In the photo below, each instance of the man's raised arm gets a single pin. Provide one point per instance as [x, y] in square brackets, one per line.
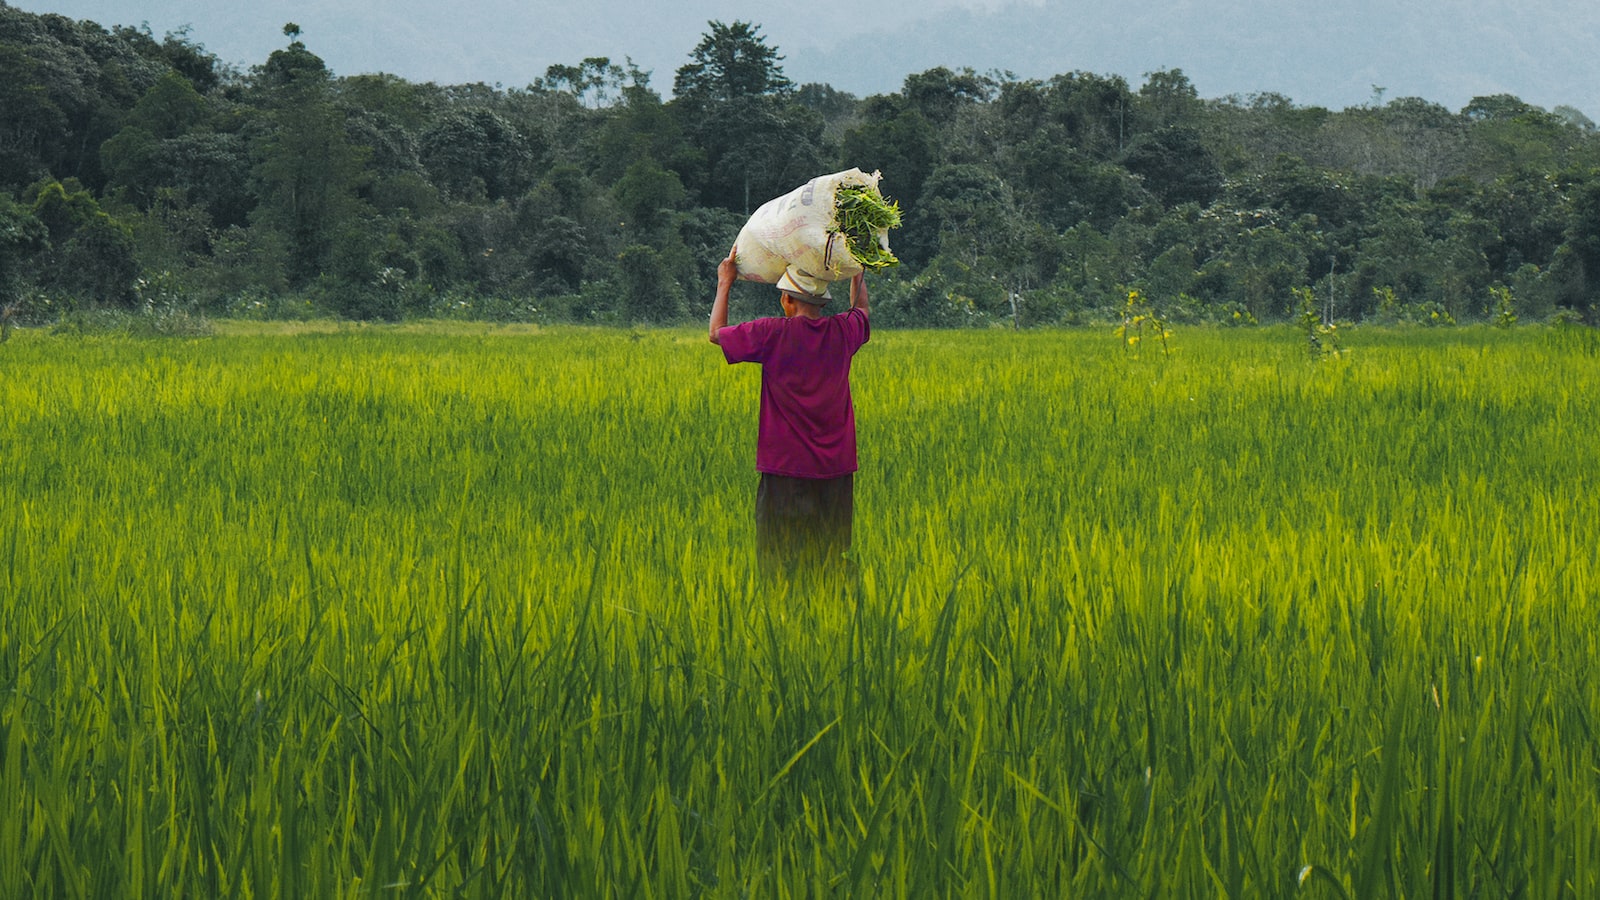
[727, 270]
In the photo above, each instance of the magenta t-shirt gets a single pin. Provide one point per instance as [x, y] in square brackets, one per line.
[808, 425]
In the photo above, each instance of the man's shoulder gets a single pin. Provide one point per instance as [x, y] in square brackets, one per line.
[857, 322]
[747, 341]
[761, 325]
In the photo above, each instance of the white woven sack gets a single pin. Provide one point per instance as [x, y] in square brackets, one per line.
[797, 229]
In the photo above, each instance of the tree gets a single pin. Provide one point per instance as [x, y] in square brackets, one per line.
[1063, 185]
[1461, 271]
[213, 171]
[1507, 134]
[595, 82]
[292, 67]
[475, 152]
[736, 105]
[21, 236]
[1497, 108]
[63, 87]
[1583, 239]
[134, 159]
[647, 193]
[898, 141]
[731, 62]
[938, 93]
[307, 170]
[639, 128]
[1398, 255]
[1529, 211]
[89, 255]
[187, 58]
[838, 108]
[1167, 98]
[1175, 166]
[1258, 267]
[649, 292]
[169, 109]
[562, 232]
[1574, 117]
[979, 228]
[30, 120]
[1097, 113]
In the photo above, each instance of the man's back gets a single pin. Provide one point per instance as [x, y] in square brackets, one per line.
[807, 426]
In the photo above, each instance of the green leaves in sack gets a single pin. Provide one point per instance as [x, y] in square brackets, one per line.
[862, 214]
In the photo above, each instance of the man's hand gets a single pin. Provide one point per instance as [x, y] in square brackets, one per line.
[858, 291]
[727, 271]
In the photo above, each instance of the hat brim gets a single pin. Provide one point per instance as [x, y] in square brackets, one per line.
[789, 285]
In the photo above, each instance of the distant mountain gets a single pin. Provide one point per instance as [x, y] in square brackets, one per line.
[1329, 54]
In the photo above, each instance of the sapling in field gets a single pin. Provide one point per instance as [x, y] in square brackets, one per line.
[1139, 318]
[1503, 308]
[1322, 338]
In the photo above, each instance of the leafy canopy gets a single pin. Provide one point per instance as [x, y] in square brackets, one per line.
[731, 62]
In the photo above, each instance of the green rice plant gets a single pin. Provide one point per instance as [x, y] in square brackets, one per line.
[350, 611]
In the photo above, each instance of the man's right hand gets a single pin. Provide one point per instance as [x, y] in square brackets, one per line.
[727, 271]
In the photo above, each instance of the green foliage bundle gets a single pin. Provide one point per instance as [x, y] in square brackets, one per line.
[864, 217]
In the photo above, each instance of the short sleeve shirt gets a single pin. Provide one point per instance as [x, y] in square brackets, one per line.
[807, 425]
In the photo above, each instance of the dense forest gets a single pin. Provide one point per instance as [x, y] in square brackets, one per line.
[142, 174]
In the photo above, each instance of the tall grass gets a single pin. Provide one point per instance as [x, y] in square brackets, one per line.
[412, 612]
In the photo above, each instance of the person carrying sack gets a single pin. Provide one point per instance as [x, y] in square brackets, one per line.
[806, 434]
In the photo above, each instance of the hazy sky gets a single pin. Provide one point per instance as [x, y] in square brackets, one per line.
[1326, 52]
[495, 41]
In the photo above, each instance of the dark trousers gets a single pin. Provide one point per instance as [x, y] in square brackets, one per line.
[803, 521]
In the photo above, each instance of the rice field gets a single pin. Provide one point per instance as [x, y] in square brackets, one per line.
[456, 611]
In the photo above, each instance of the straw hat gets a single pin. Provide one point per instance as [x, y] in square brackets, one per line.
[804, 287]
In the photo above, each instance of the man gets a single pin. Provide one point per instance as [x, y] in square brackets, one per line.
[806, 438]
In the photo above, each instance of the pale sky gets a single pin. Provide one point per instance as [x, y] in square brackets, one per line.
[1325, 52]
[497, 41]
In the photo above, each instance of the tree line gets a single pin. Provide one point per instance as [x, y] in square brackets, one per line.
[141, 173]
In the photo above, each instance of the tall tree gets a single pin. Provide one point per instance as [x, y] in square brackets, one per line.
[735, 101]
[1169, 98]
[1584, 240]
[133, 159]
[21, 235]
[940, 93]
[476, 152]
[89, 255]
[898, 140]
[640, 128]
[1175, 166]
[596, 81]
[307, 170]
[731, 62]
